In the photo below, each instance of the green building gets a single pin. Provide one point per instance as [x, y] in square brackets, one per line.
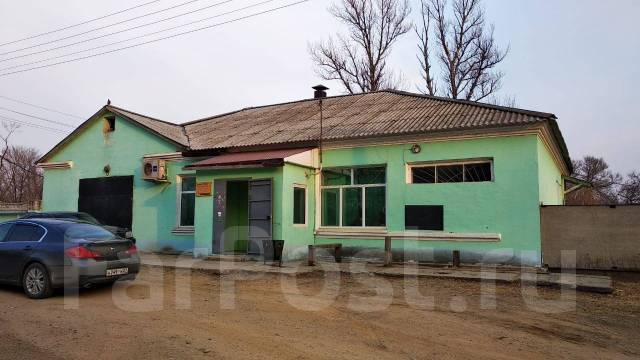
[434, 174]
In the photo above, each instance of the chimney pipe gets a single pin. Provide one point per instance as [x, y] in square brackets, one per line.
[320, 91]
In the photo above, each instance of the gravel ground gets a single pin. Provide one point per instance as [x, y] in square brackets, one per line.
[289, 318]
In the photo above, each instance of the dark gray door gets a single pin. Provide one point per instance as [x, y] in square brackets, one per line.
[260, 226]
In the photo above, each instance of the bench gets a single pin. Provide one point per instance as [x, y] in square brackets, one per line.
[337, 248]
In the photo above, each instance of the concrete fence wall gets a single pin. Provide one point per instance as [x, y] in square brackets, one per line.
[603, 237]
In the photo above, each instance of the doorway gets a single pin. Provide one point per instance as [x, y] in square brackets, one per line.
[236, 225]
[243, 216]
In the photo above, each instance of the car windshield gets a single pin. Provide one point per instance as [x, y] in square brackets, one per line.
[87, 231]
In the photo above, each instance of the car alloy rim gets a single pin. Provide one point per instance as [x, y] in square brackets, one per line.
[35, 281]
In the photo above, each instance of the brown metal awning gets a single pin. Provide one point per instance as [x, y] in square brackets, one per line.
[267, 158]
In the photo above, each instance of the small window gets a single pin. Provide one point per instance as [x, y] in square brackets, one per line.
[25, 232]
[299, 205]
[424, 217]
[110, 124]
[4, 231]
[186, 201]
[472, 171]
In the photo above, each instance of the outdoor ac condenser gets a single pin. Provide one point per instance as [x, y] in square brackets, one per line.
[154, 170]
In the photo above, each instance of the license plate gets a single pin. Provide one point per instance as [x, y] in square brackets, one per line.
[116, 272]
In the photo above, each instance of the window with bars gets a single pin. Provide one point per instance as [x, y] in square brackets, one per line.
[452, 172]
[354, 197]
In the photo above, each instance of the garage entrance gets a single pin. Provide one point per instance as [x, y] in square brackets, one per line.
[108, 199]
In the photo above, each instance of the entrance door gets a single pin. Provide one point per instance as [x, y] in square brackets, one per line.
[108, 199]
[259, 215]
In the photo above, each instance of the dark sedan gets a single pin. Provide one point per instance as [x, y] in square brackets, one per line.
[44, 254]
[120, 231]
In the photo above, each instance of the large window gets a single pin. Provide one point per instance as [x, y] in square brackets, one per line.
[299, 205]
[354, 197]
[452, 172]
[186, 201]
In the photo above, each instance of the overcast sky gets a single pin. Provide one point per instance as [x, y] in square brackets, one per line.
[577, 59]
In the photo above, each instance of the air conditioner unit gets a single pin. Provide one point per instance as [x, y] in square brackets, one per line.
[154, 170]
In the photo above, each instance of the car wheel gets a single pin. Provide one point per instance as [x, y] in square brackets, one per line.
[36, 282]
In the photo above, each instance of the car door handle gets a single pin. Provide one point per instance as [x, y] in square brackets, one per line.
[27, 248]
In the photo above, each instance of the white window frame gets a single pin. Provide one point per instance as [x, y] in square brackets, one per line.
[364, 198]
[306, 204]
[179, 193]
[435, 164]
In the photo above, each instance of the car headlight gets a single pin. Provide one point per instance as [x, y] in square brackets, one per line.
[128, 234]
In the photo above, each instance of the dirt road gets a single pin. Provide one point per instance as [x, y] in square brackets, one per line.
[265, 319]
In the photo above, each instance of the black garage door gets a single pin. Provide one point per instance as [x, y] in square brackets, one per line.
[108, 199]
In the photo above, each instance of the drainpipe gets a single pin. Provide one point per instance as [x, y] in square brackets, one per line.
[320, 92]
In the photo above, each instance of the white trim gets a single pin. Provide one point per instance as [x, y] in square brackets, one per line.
[56, 165]
[306, 204]
[164, 156]
[381, 233]
[183, 230]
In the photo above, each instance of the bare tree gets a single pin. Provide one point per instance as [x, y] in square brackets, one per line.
[9, 128]
[20, 180]
[358, 59]
[604, 182]
[464, 46]
[629, 192]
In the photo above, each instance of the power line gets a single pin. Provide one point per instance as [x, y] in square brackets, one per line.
[40, 107]
[36, 117]
[156, 40]
[133, 38]
[116, 32]
[42, 127]
[101, 27]
[78, 24]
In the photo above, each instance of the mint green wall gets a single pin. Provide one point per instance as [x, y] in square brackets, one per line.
[6, 216]
[205, 205]
[550, 181]
[297, 238]
[154, 205]
[508, 206]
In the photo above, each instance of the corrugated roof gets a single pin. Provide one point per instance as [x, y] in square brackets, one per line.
[163, 128]
[367, 115]
[351, 116]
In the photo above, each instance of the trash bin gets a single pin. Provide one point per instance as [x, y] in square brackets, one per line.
[273, 251]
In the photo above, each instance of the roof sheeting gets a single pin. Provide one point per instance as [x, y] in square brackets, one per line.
[367, 115]
[352, 116]
[165, 129]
